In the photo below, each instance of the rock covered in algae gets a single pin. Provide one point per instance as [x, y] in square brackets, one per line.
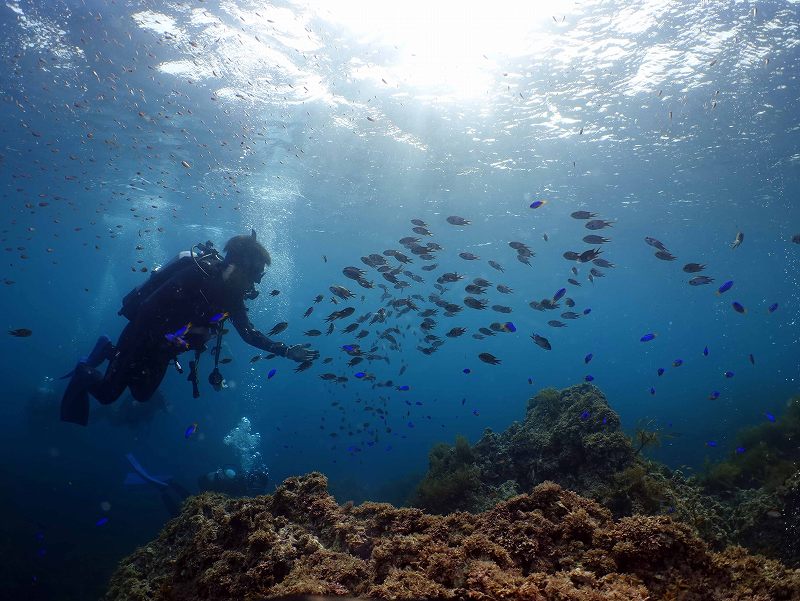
[571, 437]
[550, 544]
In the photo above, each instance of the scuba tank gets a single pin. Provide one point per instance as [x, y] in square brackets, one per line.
[206, 256]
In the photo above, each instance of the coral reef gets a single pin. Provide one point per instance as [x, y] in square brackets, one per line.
[571, 437]
[550, 544]
[766, 456]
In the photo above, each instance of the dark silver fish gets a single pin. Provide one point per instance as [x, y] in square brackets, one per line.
[655, 243]
[589, 255]
[474, 289]
[700, 280]
[541, 341]
[665, 255]
[456, 220]
[354, 273]
[595, 239]
[474, 303]
[278, 328]
[341, 292]
[582, 215]
[693, 267]
[598, 224]
[489, 358]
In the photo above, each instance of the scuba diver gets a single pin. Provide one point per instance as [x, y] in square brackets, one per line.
[235, 484]
[179, 308]
[172, 494]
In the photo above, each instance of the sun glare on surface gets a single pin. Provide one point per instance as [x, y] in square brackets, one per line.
[446, 47]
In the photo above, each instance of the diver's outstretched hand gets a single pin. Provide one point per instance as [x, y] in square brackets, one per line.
[301, 352]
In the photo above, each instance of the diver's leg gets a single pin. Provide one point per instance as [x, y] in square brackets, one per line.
[148, 377]
[106, 389]
[103, 349]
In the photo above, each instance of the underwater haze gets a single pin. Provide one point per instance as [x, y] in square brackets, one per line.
[616, 150]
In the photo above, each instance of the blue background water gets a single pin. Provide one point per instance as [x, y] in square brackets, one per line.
[677, 121]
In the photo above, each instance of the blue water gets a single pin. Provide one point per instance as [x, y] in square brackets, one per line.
[327, 129]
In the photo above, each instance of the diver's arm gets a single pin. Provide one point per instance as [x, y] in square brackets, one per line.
[252, 336]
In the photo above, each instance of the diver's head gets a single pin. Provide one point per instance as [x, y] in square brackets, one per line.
[247, 257]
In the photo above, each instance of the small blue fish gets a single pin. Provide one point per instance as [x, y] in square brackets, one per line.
[725, 287]
[509, 327]
[176, 337]
[739, 450]
[587, 311]
[589, 378]
[219, 317]
[660, 371]
[530, 380]
[464, 400]
[652, 390]
[467, 370]
[728, 374]
[403, 388]
[714, 395]
[711, 443]
[588, 358]
[360, 374]
[418, 403]
[647, 337]
[769, 416]
[677, 363]
[348, 347]
[705, 352]
[605, 421]
[738, 307]
[585, 415]
[101, 522]
[752, 359]
[410, 424]
[772, 308]
[190, 430]
[538, 203]
[271, 373]
[559, 294]
[475, 412]
[41, 552]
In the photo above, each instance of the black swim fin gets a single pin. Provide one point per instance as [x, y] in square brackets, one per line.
[75, 402]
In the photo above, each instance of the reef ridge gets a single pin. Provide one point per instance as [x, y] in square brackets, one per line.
[549, 544]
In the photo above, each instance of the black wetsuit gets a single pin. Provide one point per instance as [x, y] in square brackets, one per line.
[185, 294]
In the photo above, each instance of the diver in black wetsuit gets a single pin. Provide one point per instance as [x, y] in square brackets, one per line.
[179, 308]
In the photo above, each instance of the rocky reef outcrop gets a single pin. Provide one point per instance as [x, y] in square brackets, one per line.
[573, 437]
[549, 544]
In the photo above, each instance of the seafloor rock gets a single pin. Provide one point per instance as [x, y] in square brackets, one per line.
[551, 544]
[768, 521]
[571, 437]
